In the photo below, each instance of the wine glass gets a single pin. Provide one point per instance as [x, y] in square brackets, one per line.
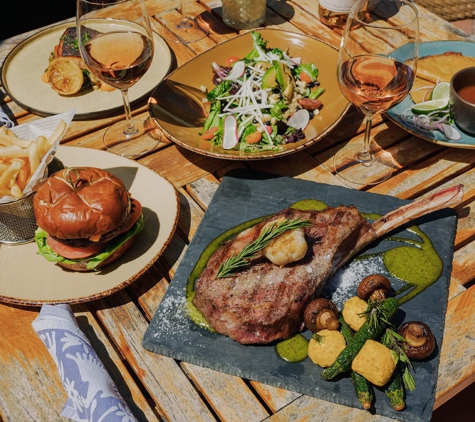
[183, 29]
[117, 48]
[376, 68]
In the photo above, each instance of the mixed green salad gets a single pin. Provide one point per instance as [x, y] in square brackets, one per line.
[262, 101]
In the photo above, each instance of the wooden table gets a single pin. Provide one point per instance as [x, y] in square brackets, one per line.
[160, 388]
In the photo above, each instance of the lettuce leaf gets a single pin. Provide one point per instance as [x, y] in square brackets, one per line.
[45, 251]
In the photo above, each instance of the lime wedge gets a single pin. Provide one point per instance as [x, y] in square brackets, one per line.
[429, 106]
[441, 91]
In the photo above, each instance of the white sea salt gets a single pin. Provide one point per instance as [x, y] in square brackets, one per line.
[344, 283]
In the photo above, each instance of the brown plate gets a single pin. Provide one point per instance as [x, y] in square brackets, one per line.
[25, 64]
[27, 278]
[176, 104]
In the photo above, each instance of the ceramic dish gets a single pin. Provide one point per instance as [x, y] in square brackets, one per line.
[176, 104]
[25, 64]
[27, 278]
[428, 49]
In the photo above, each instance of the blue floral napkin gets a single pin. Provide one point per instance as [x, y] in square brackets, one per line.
[4, 119]
[92, 395]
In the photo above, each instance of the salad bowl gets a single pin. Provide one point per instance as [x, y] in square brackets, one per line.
[177, 105]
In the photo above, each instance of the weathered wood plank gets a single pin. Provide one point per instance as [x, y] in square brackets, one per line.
[457, 354]
[175, 397]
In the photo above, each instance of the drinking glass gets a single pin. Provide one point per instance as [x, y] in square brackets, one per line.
[117, 48]
[183, 29]
[376, 68]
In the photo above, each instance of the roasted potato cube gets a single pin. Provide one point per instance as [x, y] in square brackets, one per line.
[326, 349]
[351, 310]
[375, 362]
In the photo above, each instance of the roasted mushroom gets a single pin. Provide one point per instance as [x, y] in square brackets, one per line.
[321, 314]
[374, 287]
[420, 341]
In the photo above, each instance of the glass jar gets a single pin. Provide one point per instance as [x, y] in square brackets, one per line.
[244, 14]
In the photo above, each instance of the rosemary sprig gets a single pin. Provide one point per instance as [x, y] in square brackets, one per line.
[249, 251]
[374, 314]
[393, 341]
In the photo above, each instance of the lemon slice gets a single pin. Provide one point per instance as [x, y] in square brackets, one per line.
[65, 76]
[441, 91]
[430, 106]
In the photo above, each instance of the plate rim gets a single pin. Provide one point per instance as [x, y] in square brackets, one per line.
[395, 118]
[78, 116]
[120, 286]
[243, 157]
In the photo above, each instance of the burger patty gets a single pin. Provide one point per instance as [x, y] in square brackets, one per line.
[78, 243]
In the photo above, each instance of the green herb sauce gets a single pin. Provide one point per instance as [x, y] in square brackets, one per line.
[293, 349]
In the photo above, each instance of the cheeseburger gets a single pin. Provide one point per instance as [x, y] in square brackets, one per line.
[86, 218]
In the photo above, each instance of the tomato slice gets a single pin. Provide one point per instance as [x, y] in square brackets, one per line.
[231, 60]
[304, 77]
[71, 252]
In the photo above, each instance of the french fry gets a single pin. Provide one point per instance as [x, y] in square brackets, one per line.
[23, 176]
[58, 132]
[9, 175]
[33, 156]
[41, 145]
[15, 191]
[13, 151]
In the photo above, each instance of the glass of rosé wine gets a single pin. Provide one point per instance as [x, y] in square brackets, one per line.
[116, 45]
[376, 68]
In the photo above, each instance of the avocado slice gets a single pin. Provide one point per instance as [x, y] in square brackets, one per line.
[269, 78]
[284, 78]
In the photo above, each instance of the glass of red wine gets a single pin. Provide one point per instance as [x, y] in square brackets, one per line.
[116, 44]
[376, 69]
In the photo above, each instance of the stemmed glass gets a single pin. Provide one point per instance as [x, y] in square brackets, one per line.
[183, 29]
[376, 68]
[117, 48]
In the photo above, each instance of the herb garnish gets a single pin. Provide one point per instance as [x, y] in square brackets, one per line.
[250, 250]
[393, 341]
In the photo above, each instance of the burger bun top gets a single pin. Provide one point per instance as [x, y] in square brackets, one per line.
[81, 203]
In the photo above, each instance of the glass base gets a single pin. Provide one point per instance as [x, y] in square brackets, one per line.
[183, 30]
[132, 145]
[354, 167]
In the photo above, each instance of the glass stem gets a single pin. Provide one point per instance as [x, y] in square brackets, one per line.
[184, 17]
[365, 156]
[130, 128]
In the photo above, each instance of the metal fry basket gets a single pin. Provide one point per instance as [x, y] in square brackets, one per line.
[17, 221]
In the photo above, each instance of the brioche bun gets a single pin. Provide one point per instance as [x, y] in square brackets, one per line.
[80, 203]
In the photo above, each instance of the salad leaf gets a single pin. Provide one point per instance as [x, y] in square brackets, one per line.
[310, 69]
[213, 117]
[219, 90]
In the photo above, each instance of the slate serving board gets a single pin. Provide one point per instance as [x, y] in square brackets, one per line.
[244, 195]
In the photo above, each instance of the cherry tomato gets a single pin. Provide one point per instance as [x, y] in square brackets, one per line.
[209, 134]
[304, 77]
[309, 104]
[231, 60]
[253, 138]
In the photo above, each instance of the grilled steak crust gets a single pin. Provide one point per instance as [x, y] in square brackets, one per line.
[264, 302]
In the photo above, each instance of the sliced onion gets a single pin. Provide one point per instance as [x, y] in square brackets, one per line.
[230, 135]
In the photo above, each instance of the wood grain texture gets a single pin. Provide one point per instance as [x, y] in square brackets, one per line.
[160, 388]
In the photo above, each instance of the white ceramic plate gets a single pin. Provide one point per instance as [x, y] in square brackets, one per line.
[25, 64]
[27, 278]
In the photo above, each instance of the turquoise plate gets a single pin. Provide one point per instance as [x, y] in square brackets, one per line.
[428, 49]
